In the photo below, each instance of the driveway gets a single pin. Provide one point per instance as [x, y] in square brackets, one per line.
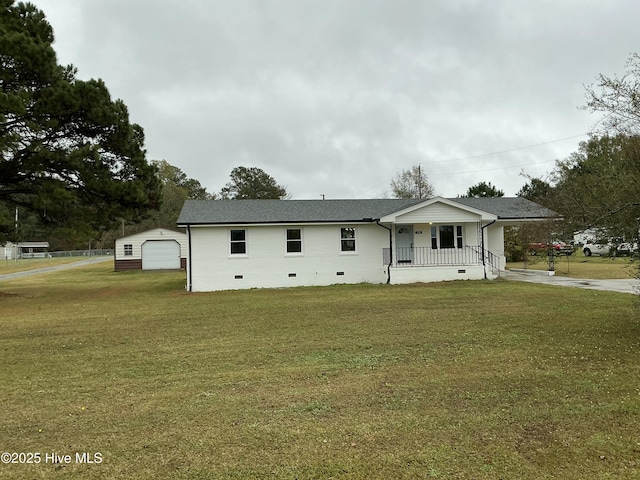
[55, 268]
[630, 285]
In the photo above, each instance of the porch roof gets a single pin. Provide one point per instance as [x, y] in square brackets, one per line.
[33, 244]
[230, 212]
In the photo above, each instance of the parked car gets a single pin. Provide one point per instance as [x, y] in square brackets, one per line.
[627, 248]
[557, 247]
[597, 249]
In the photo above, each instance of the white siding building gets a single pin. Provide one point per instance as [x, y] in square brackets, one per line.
[26, 250]
[157, 249]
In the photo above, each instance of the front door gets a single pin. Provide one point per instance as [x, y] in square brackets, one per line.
[404, 243]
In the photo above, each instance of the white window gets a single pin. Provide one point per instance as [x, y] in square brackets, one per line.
[459, 241]
[128, 250]
[347, 239]
[446, 236]
[238, 242]
[294, 240]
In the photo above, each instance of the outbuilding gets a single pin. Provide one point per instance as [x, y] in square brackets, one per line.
[26, 250]
[157, 249]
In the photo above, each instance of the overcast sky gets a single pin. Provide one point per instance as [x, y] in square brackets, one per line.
[336, 97]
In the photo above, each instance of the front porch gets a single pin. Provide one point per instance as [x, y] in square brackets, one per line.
[443, 240]
[425, 264]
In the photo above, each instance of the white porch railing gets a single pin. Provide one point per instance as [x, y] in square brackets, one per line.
[425, 256]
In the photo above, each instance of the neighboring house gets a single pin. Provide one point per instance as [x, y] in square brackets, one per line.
[26, 250]
[235, 244]
[157, 249]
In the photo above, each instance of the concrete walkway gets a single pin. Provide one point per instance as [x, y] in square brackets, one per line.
[630, 285]
[55, 268]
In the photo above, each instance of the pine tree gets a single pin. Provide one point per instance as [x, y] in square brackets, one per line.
[69, 151]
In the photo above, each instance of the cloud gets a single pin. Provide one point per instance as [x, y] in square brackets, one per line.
[337, 97]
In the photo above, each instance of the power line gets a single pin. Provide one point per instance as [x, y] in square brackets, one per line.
[494, 153]
[490, 169]
[506, 151]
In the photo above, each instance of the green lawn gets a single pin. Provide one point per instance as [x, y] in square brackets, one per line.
[463, 380]
[579, 266]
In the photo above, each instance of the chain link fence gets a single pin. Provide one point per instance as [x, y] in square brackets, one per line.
[81, 253]
[62, 254]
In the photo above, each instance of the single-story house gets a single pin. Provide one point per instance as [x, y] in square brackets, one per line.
[234, 244]
[26, 250]
[156, 249]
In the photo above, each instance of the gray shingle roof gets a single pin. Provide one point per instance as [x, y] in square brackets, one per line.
[509, 207]
[221, 212]
[287, 211]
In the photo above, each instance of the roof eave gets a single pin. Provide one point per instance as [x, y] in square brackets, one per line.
[530, 219]
[277, 222]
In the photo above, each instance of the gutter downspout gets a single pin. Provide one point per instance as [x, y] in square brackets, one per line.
[189, 252]
[390, 250]
[484, 263]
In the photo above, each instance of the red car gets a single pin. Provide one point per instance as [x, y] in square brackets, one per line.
[542, 248]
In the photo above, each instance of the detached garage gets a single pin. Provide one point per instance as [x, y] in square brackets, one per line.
[157, 249]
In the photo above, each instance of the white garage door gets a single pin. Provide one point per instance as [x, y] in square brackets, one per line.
[160, 255]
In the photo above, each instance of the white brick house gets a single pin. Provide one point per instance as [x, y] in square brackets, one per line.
[234, 244]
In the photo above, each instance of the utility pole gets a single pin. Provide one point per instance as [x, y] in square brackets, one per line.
[15, 247]
[419, 182]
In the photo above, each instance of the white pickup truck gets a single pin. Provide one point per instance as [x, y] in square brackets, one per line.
[609, 249]
[597, 249]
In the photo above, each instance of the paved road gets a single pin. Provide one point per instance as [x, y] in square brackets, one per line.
[55, 268]
[622, 285]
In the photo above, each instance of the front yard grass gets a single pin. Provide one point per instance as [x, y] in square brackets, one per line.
[496, 379]
[579, 266]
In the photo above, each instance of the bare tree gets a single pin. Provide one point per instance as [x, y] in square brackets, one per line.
[618, 99]
[412, 183]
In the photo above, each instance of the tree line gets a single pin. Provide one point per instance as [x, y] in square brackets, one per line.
[74, 167]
